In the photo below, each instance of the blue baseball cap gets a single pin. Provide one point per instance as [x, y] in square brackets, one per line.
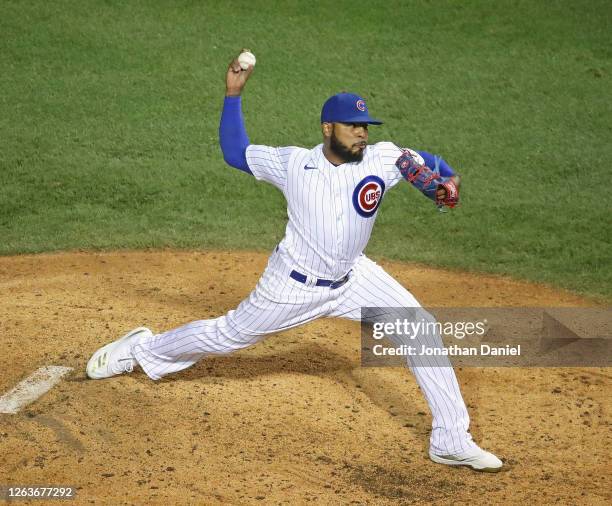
[346, 108]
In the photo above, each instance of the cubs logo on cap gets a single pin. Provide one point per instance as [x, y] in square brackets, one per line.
[361, 105]
[368, 195]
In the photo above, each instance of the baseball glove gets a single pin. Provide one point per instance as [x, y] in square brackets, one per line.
[444, 191]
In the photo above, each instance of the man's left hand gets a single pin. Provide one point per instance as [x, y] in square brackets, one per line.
[447, 193]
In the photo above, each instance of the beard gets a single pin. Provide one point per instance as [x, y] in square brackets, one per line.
[344, 151]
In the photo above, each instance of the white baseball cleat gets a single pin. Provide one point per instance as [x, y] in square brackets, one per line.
[116, 358]
[476, 458]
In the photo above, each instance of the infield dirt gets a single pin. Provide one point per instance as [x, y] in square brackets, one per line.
[292, 420]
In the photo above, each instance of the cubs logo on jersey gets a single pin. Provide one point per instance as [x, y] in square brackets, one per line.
[367, 195]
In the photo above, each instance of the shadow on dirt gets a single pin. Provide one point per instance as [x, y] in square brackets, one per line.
[310, 359]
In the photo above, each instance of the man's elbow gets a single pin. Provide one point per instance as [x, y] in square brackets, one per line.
[237, 162]
[230, 159]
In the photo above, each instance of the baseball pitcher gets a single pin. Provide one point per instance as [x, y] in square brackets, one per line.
[318, 269]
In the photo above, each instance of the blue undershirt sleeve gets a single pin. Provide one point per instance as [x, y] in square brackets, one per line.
[431, 160]
[232, 134]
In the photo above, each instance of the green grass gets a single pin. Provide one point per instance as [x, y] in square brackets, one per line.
[109, 114]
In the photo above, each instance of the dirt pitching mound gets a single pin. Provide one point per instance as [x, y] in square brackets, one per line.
[292, 420]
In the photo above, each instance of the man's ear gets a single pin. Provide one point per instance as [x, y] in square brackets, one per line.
[327, 129]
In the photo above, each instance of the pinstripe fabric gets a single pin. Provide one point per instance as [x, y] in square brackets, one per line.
[372, 286]
[325, 238]
[324, 234]
[277, 303]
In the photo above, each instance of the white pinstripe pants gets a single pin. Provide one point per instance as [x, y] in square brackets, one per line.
[279, 303]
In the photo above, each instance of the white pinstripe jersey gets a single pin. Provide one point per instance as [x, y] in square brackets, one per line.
[331, 209]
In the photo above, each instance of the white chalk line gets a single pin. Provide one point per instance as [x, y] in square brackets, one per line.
[27, 391]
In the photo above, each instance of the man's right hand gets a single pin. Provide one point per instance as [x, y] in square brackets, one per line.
[236, 78]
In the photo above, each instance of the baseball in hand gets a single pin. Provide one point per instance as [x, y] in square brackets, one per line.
[245, 59]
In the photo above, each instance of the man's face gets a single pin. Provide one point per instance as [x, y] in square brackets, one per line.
[349, 140]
